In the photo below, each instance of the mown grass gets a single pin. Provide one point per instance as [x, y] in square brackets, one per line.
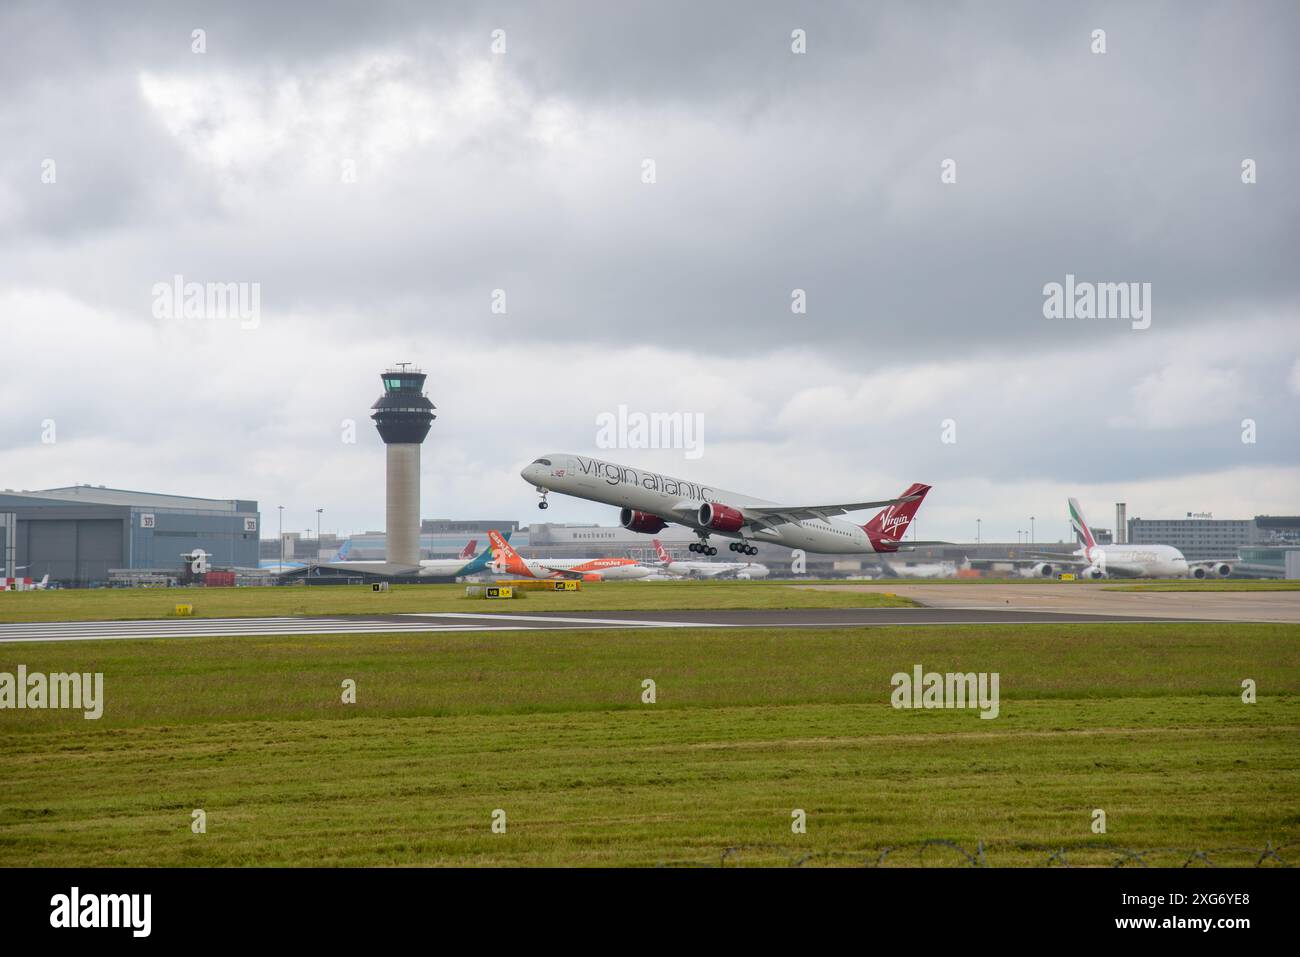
[120, 604]
[1144, 721]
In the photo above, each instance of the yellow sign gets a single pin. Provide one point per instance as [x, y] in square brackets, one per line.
[500, 591]
[567, 584]
[1066, 577]
[185, 610]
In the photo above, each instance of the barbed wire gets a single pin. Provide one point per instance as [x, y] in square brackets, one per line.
[944, 852]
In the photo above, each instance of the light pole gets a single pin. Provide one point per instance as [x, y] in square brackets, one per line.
[977, 530]
[318, 514]
[1031, 530]
[281, 532]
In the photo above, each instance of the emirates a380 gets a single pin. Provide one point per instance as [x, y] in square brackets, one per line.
[648, 501]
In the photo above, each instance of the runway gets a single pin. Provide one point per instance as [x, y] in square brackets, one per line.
[1090, 598]
[583, 621]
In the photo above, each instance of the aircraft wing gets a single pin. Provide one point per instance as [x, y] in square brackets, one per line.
[566, 572]
[1071, 561]
[773, 515]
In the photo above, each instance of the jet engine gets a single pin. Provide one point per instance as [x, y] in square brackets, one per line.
[643, 522]
[721, 518]
[1222, 569]
[1041, 570]
[1092, 573]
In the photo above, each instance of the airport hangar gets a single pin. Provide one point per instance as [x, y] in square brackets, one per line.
[80, 533]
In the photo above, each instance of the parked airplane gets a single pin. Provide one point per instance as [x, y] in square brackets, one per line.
[466, 564]
[649, 501]
[507, 561]
[707, 569]
[921, 570]
[1093, 561]
[25, 584]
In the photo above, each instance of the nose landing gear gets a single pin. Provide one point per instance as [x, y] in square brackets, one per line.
[542, 503]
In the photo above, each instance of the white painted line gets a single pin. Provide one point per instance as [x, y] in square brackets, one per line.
[625, 622]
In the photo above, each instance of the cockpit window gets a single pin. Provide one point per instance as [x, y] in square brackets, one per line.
[542, 462]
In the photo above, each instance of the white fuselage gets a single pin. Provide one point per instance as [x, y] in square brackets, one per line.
[716, 569]
[928, 570]
[678, 500]
[1137, 561]
[444, 567]
[609, 569]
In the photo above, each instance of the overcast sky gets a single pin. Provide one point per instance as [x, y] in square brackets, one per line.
[378, 170]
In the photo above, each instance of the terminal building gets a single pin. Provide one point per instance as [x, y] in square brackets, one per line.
[79, 534]
[1203, 538]
[439, 538]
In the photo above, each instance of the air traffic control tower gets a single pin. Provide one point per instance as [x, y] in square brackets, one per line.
[403, 415]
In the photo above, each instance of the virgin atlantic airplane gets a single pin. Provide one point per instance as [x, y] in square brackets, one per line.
[649, 501]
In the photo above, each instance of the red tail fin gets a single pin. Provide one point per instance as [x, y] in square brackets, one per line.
[660, 551]
[470, 549]
[889, 526]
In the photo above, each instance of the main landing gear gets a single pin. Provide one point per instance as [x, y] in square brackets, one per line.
[703, 546]
[744, 548]
[542, 503]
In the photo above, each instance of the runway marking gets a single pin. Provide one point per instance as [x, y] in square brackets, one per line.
[274, 627]
[624, 622]
[421, 623]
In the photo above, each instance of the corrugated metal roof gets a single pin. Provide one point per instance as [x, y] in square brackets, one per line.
[116, 496]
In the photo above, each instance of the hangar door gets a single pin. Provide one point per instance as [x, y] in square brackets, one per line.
[73, 550]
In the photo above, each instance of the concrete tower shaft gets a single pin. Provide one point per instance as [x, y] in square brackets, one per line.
[403, 415]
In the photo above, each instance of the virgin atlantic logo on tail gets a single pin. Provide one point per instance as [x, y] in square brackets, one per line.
[891, 521]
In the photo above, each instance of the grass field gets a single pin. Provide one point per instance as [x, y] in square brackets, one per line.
[119, 604]
[1144, 721]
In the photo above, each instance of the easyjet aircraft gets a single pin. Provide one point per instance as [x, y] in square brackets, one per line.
[507, 561]
[649, 501]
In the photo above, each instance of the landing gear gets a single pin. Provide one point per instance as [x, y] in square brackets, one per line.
[743, 547]
[542, 503]
[703, 546]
